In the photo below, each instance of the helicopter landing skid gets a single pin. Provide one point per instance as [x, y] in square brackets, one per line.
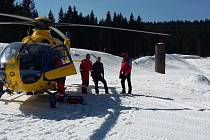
[13, 98]
[8, 91]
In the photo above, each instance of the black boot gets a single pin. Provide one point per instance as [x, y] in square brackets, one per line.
[106, 91]
[123, 92]
[60, 98]
[130, 90]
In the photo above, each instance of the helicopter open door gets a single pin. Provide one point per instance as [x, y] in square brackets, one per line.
[59, 63]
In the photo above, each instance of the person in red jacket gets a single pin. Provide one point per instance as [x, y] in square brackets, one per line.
[60, 81]
[125, 73]
[85, 68]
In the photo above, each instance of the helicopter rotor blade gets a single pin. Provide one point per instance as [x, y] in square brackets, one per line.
[58, 32]
[75, 25]
[17, 23]
[111, 28]
[32, 21]
[17, 16]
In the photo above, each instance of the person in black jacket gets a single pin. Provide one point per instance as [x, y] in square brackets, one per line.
[98, 75]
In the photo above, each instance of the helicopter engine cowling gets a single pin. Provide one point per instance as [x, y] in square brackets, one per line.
[42, 36]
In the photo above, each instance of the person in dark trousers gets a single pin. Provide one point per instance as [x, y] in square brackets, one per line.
[125, 73]
[98, 75]
[85, 68]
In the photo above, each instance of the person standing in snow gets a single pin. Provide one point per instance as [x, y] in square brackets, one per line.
[60, 81]
[125, 73]
[85, 68]
[98, 75]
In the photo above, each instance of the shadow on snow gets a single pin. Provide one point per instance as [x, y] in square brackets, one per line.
[149, 96]
[108, 106]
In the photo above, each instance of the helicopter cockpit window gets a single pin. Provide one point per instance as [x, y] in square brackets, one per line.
[9, 53]
[59, 56]
[32, 62]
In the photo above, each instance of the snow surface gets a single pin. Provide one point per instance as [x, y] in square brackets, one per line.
[174, 106]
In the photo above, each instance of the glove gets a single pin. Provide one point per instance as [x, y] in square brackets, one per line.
[67, 42]
[120, 76]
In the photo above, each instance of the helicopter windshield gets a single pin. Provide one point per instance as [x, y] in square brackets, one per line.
[32, 62]
[9, 52]
[34, 59]
[32, 56]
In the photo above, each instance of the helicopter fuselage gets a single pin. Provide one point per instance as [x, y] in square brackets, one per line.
[14, 81]
[31, 67]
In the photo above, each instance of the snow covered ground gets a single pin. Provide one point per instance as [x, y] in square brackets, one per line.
[174, 106]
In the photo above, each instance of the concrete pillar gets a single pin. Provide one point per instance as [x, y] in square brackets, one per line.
[160, 58]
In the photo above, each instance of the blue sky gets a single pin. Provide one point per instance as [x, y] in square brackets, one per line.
[149, 10]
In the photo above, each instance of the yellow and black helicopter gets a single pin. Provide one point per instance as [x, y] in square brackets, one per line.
[28, 66]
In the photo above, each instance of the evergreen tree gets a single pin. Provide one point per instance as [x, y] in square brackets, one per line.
[132, 23]
[28, 8]
[75, 16]
[61, 15]
[81, 18]
[87, 19]
[108, 19]
[69, 15]
[93, 20]
[51, 16]
[119, 20]
[17, 9]
[115, 19]
[35, 14]
[7, 6]
[101, 22]
[139, 20]
[131, 19]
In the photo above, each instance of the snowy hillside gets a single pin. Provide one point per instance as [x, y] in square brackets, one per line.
[173, 106]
